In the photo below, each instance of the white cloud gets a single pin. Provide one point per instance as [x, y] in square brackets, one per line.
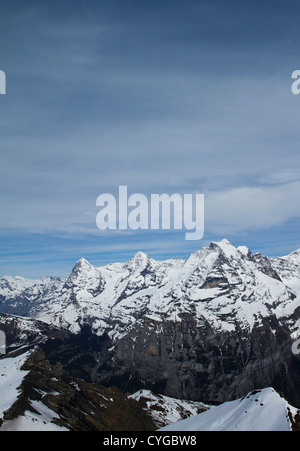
[250, 208]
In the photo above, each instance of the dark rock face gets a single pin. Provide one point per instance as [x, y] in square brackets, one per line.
[79, 354]
[183, 361]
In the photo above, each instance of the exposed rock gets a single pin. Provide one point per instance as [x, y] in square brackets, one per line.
[78, 405]
[197, 363]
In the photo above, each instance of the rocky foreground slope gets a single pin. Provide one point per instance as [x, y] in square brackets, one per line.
[210, 328]
[37, 396]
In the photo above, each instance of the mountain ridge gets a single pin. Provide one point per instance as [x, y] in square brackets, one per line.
[202, 276]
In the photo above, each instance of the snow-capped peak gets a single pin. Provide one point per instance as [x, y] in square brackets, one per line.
[82, 269]
[84, 275]
[138, 262]
[223, 242]
[82, 264]
[229, 250]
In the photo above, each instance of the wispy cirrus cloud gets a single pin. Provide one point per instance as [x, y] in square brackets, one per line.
[252, 208]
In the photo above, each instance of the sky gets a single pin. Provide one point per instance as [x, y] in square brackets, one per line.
[160, 96]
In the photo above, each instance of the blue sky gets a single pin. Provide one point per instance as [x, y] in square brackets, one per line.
[161, 96]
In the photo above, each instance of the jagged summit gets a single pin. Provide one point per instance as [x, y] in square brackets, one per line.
[228, 249]
[223, 242]
[138, 262]
[82, 265]
[81, 269]
[83, 262]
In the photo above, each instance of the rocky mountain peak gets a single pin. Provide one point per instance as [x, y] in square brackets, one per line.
[82, 265]
[229, 250]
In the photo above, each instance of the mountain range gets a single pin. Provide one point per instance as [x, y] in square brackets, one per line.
[210, 328]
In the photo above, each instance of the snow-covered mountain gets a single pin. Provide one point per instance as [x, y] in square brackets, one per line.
[220, 284]
[18, 295]
[209, 328]
[260, 410]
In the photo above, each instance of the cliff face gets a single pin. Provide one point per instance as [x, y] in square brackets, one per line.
[182, 360]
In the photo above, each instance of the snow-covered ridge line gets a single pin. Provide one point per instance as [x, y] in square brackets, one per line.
[260, 410]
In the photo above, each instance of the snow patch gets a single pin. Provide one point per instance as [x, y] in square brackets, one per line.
[11, 377]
